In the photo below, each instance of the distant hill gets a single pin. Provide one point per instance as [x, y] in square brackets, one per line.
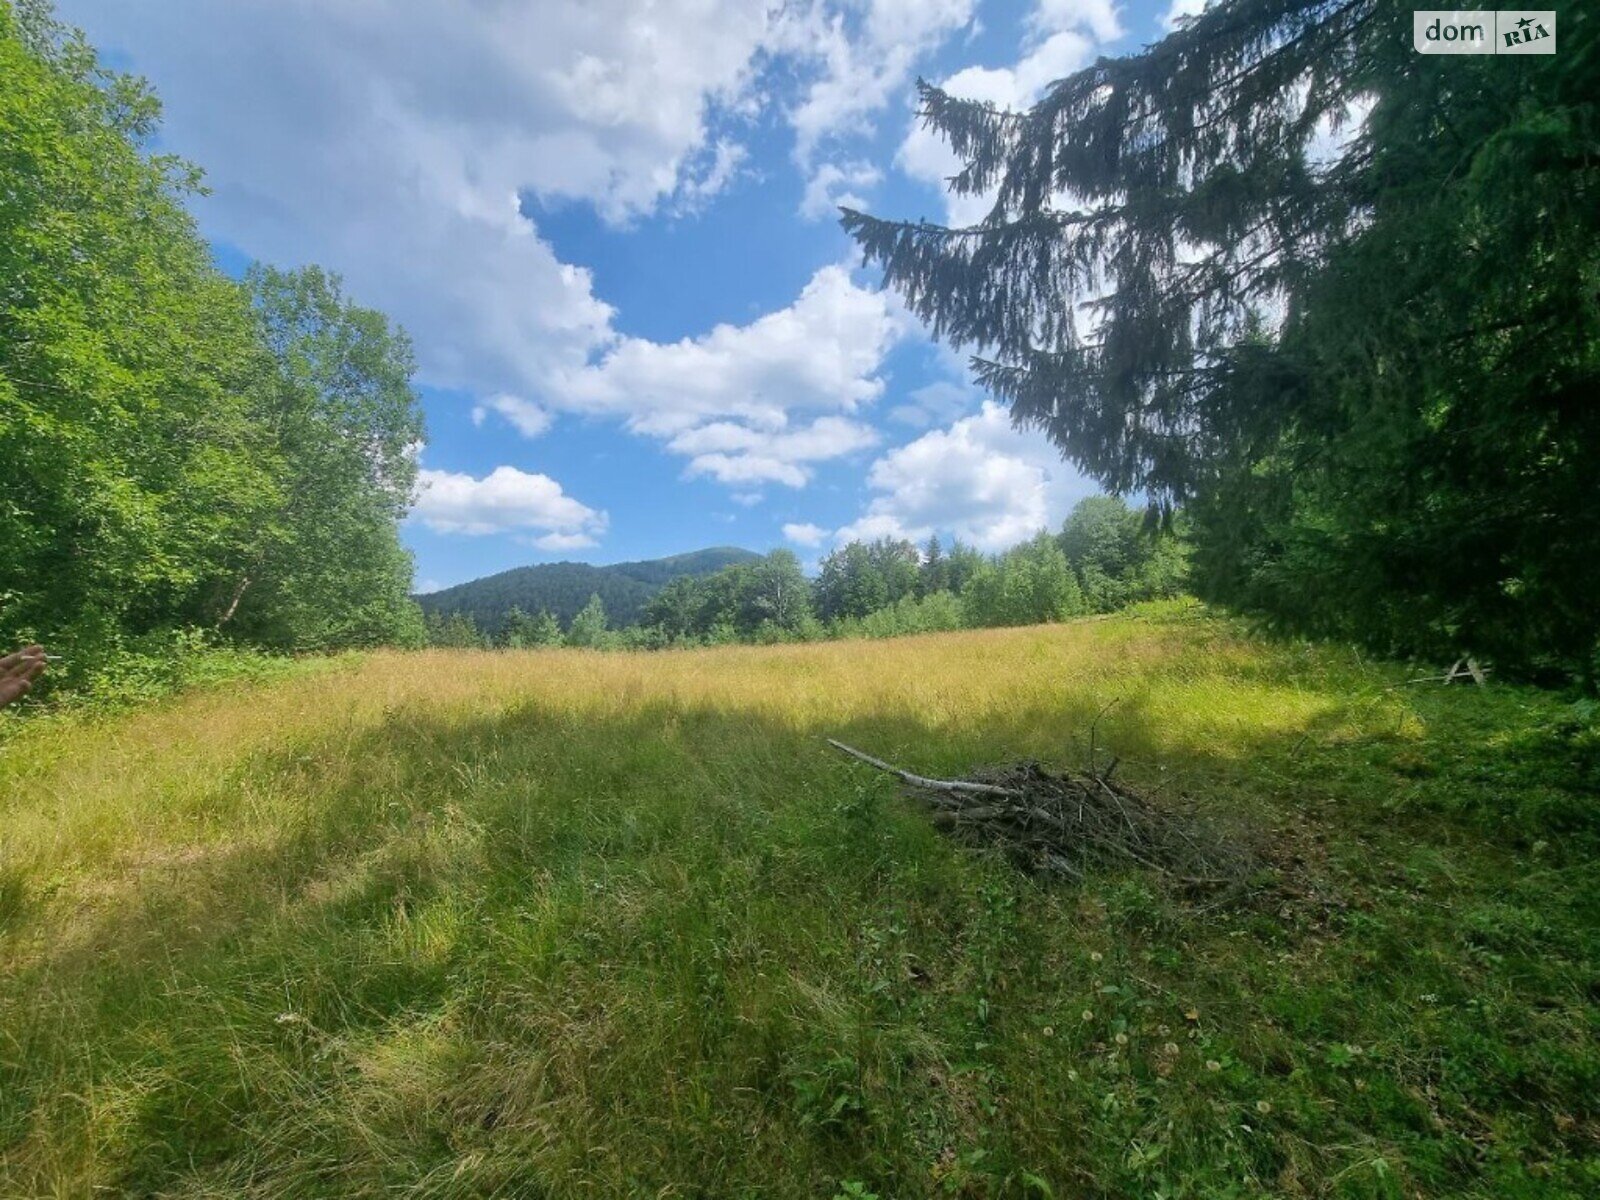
[565, 587]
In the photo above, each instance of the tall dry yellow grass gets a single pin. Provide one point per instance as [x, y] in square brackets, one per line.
[575, 923]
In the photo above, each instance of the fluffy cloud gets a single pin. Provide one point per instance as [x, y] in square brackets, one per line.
[822, 352]
[402, 143]
[526, 417]
[723, 164]
[830, 186]
[506, 501]
[735, 453]
[805, 534]
[1062, 37]
[864, 59]
[728, 400]
[1099, 17]
[393, 141]
[981, 479]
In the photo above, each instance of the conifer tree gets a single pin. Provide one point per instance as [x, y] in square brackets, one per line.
[1333, 296]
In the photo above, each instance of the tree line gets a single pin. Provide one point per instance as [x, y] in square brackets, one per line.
[1103, 558]
[182, 450]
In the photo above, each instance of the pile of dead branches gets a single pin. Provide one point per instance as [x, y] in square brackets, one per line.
[1074, 823]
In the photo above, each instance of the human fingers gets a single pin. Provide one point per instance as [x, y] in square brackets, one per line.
[16, 657]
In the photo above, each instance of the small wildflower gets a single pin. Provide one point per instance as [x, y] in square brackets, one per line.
[1170, 1048]
[1263, 1107]
[1163, 1030]
[1361, 1085]
[1095, 956]
[1122, 1039]
[1192, 1015]
[1213, 1065]
[1049, 1031]
[1087, 1015]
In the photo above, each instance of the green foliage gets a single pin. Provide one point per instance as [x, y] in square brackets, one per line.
[589, 627]
[937, 612]
[453, 631]
[329, 570]
[134, 470]
[1030, 584]
[1118, 559]
[849, 584]
[764, 599]
[181, 451]
[864, 589]
[147, 667]
[524, 632]
[1364, 371]
[888, 588]
[862, 577]
[775, 594]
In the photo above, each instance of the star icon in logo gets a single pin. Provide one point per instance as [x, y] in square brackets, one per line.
[1524, 23]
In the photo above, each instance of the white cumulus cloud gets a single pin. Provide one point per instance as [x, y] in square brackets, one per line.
[833, 184]
[804, 533]
[1102, 18]
[756, 403]
[526, 417]
[981, 479]
[392, 141]
[734, 453]
[506, 501]
[866, 58]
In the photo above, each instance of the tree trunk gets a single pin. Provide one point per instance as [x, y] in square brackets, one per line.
[233, 605]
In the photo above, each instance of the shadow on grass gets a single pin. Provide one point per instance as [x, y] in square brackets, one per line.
[563, 951]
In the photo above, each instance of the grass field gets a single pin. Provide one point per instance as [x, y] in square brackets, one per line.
[577, 924]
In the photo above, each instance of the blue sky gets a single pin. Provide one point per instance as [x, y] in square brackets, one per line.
[610, 231]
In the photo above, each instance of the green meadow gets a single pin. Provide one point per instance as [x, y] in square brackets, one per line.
[570, 923]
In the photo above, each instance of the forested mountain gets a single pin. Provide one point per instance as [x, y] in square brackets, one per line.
[563, 588]
[1104, 557]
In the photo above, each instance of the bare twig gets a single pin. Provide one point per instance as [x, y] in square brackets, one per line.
[922, 781]
[1095, 724]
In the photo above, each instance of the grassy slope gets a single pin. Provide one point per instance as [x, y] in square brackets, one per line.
[565, 923]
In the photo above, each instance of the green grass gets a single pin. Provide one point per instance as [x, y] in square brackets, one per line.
[578, 924]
